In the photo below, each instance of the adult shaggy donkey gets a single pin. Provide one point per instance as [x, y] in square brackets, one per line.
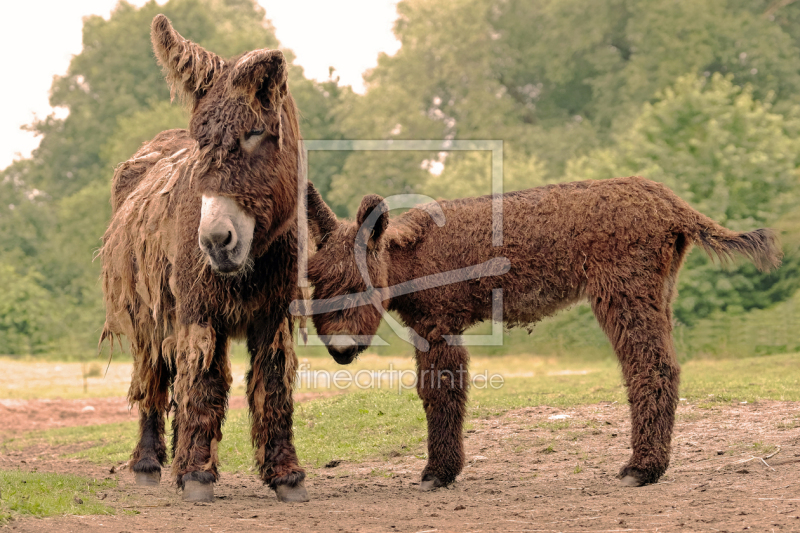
[201, 249]
[617, 243]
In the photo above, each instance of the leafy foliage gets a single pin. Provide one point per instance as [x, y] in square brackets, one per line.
[714, 144]
[702, 96]
[553, 78]
[26, 313]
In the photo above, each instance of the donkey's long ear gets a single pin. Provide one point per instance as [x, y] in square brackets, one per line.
[371, 210]
[322, 221]
[261, 74]
[189, 68]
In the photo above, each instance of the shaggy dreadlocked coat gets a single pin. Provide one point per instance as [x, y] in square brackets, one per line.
[617, 243]
[177, 313]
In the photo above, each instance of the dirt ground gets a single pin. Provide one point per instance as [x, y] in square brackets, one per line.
[20, 416]
[528, 471]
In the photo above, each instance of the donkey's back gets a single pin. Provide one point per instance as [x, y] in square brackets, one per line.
[136, 170]
[564, 243]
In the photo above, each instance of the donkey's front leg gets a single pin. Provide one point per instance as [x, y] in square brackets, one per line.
[201, 388]
[149, 390]
[442, 384]
[269, 394]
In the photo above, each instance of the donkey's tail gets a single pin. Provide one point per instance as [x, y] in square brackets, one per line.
[760, 246]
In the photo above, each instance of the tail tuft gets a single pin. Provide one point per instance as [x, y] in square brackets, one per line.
[760, 246]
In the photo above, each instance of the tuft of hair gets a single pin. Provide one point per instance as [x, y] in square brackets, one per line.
[760, 246]
[189, 69]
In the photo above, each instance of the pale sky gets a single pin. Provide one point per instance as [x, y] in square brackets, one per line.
[39, 37]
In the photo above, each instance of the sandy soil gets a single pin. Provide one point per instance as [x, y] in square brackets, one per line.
[28, 415]
[513, 482]
[60, 380]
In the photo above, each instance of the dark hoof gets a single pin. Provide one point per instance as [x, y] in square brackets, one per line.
[430, 484]
[195, 491]
[631, 481]
[632, 477]
[148, 479]
[287, 494]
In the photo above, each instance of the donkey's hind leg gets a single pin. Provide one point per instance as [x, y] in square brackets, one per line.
[640, 331]
[150, 391]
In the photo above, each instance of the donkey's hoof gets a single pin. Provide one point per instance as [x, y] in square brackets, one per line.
[632, 477]
[148, 479]
[631, 481]
[195, 491]
[296, 494]
[429, 484]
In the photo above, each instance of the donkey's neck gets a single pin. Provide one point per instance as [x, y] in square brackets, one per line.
[402, 237]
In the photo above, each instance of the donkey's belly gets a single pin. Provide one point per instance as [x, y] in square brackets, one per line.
[528, 307]
[454, 308]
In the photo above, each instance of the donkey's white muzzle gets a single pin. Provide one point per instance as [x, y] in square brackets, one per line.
[225, 233]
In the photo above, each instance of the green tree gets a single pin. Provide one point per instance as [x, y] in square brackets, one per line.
[714, 144]
[554, 78]
[28, 322]
[470, 174]
[563, 83]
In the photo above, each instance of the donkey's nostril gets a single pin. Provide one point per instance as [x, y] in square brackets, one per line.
[221, 239]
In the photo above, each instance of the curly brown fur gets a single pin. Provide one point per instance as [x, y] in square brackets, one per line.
[617, 243]
[269, 393]
[201, 398]
[159, 289]
[442, 385]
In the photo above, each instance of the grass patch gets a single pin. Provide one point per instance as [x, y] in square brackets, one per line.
[707, 381]
[349, 427]
[771, 377]
[381, 423]
[44, 494]
[105, 443]
[763, 449]
[601, 382]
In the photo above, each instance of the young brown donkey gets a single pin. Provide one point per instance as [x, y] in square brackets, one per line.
[201, 249]
[617, 243]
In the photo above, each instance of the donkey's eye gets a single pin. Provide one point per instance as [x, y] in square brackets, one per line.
[253, 133]
[252, 139]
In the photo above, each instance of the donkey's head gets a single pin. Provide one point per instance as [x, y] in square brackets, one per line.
[245, 163]
[348, 271]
